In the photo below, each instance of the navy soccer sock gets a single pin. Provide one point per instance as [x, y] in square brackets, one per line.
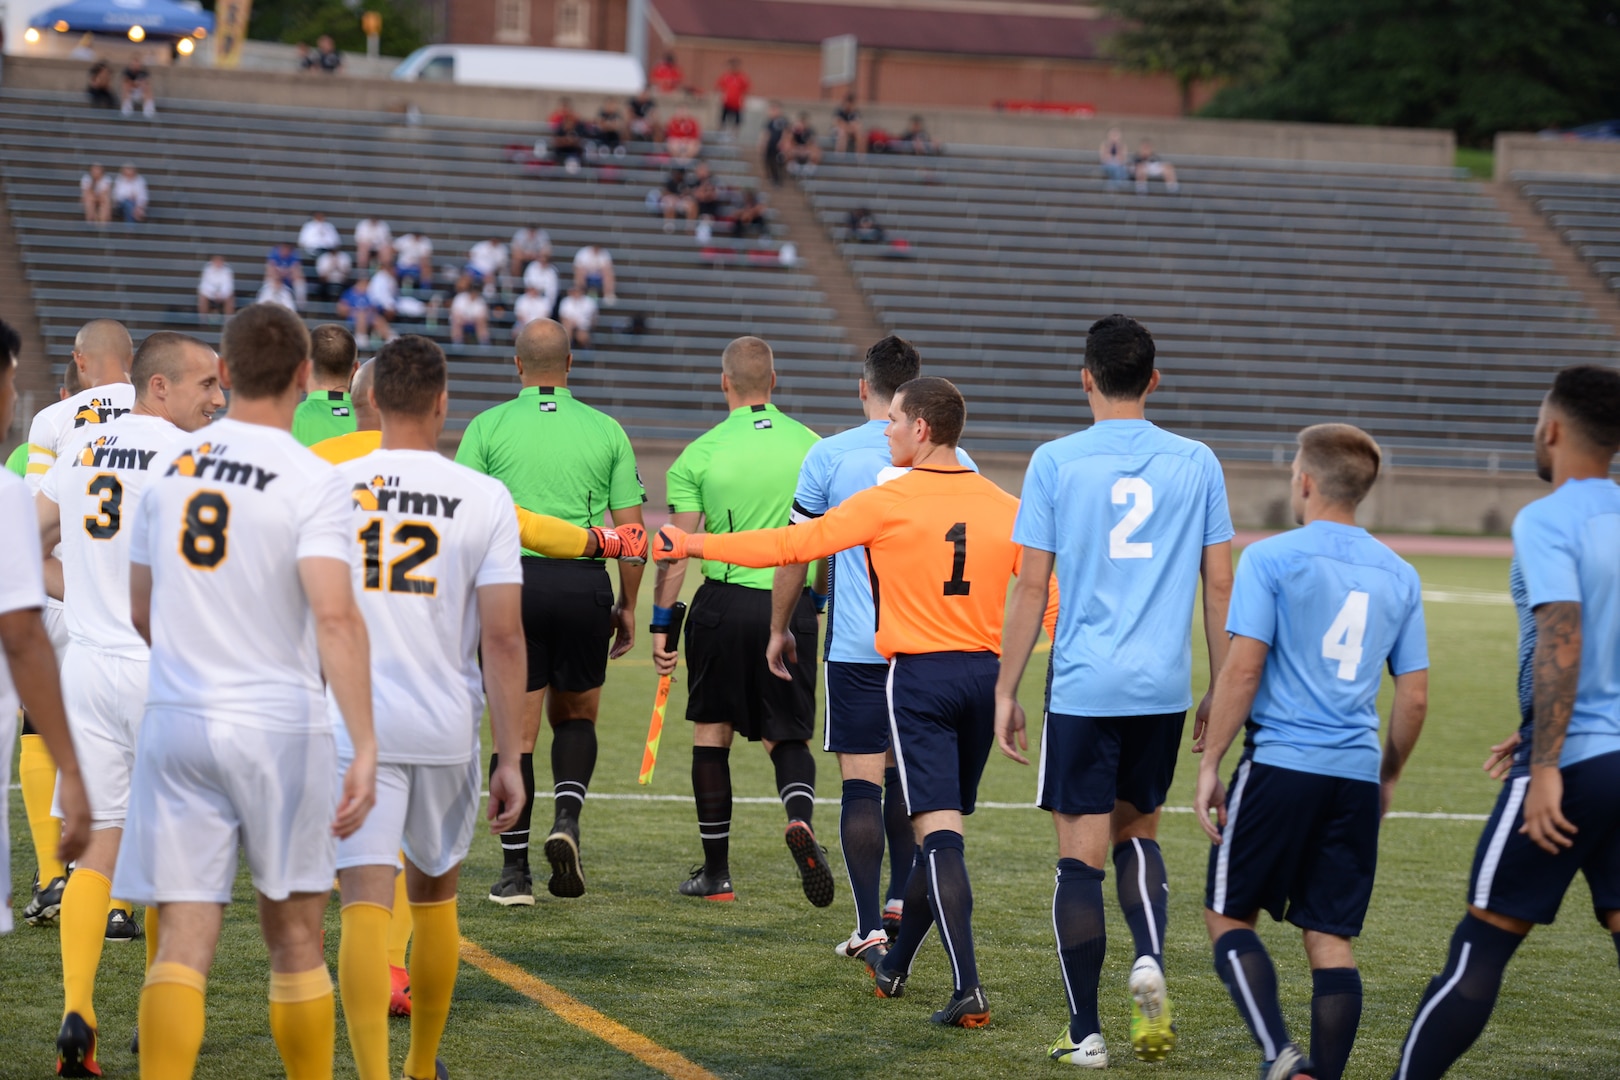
[914, 924]
[573, 760]
[951, 897]
[1617, 943]
[711, 787]
[1335, 1016]
[1245, 967]
[1458, 1001]
[897, 825]
[860, 833]
[796, 779]
[1144, 894]
[1082, 941]
[515, 844]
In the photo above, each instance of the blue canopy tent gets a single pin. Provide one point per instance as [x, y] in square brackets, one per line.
[159, 18]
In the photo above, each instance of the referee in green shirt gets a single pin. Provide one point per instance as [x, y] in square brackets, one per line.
[327, 411]
[740, 475]
[561, 457]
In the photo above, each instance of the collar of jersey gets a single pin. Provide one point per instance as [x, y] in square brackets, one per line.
[1337, 526]
[745, 409]
[547, 391]
[332, 395]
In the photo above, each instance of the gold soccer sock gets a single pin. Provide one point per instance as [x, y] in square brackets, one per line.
[36, 772]
[171, 1023]
[151, 935]
[120, 905]
[435, 959]
[363, 979]
[399, 924]
[303, 1022]
[83, 931]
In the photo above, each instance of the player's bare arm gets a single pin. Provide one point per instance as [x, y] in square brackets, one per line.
[1216, 571]
[630, 571]
[1234, 697]
[1025, 608]
[345, 651]
[33, 671]
[785, 589]
[1556, 670]
[1406, 717]
[505, 656]
[667, 590]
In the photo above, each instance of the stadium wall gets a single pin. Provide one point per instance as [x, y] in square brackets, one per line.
[1519, 152]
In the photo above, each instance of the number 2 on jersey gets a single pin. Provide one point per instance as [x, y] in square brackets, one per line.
[418, 533]
[1137, 492]
[1342, 642]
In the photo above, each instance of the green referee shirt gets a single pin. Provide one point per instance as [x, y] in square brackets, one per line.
[741, 474]
[323, 415]
[556, 455]
[18, 461]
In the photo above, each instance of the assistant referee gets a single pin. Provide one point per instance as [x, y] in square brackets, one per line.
[740, 475]
[560, 457]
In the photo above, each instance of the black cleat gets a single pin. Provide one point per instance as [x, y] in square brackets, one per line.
[891, 918]
[120, 927]
[439, 1071]
[969, 1010]
[814, 873]
[567, 878]
[135, 1042]
[706, 886]
[888, 986]
[76, 1048]
[515, 888]
[45, 903]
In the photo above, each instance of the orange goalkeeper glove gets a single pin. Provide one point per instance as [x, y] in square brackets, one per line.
[627, 543]
[670, 544]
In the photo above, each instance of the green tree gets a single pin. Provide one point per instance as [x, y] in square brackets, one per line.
[405, 25]
[1474, 66]
[1197, 41]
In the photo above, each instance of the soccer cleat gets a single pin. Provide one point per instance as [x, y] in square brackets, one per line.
[888, 986]
[1289, 1064]
[562, 851]
[515, 888]
[891, 917]
[120, 927]
[45, 903]
[399, 994]
[716, 887]
[76, 1048]
[1153, 1033]
[439, 1071]
[857, 946]
[1089, 1053]
[814, 873]
[969, 1010]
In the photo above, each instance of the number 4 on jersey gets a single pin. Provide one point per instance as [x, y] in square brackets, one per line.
[1342, 642]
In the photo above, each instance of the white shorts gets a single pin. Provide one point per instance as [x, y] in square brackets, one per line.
[105, 697]
[8, 735]
[1155, 169]
[202, 787]
[55, 616]
[429, 810]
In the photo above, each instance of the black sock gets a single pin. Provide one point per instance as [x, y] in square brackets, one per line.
[573, 760]
[795, 779]
[1335, 1016]
[860, 832]
[1144, 894]
[916, 920]
[1245, 967]
[897, 827]
[1458, 1001]
[1082, 941]
[711, 787]
[951, 896]
[515, 844]
[1616, 943]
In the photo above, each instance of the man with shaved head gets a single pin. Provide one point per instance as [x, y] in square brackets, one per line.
[560, 457]
[102, 353]
[367, 435]
[740, 475]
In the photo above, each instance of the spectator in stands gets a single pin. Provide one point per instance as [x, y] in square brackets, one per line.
[95, 192]
[803, 151]
[325, 60]
[733, 86]
[282, 267]
[864, 228]
[914, 140]
[1114, 159]
[485, 261]
[643, 117]
[532, 305]
[667, 74]
[612, 130]
[706, 193]
[771, 137]
[84, 50]
[593, 272]
[355, 305]
[847, 133]
[332, 268]
[276, 292]
[373, 242]
[99, 86]
[1147, 165]
[383, 292]
[541, 277]
[749, 217]
[577, 313]
[216, 288]
[567, 136]
[677, 198]
[130, 194]
[468, 311]
[318, 235]
[683, 139]
[306, 57]
[528, 245]
[137, 89]
[413, 259]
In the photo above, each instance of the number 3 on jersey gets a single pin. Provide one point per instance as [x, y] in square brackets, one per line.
[1342, 642]
[1135, 491]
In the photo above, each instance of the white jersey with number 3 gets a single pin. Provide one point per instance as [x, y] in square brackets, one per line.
[223, 528]
[427, 534]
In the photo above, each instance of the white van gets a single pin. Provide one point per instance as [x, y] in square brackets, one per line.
[573, 70]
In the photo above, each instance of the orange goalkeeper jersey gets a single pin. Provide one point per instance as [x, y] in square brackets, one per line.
[938, 547]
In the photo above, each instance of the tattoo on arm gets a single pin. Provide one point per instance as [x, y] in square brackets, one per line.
[1556, 668]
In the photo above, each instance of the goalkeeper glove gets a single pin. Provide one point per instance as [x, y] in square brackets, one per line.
[627, 543]
[670, 544]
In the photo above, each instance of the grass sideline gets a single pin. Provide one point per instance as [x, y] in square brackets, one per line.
[753, 988]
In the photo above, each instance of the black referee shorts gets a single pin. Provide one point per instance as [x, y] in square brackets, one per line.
[727, 630]
[568, 621]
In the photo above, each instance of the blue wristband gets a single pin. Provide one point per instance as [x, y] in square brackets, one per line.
[662, 616]
[820, 599]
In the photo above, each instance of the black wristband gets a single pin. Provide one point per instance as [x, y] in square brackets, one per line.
[658, 629]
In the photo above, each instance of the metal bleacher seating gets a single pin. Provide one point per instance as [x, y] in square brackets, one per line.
[234, 179]
[1280, 294]
[1586, 212]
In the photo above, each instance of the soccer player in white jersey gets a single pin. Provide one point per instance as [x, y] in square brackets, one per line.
[440, 582]
[1131, 516]
[1559, 811]
[95, 492]
[101, 356]
[28, 671]
[240, 580]
[1316, 616]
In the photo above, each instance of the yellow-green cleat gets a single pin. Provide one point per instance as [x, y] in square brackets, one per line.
[1153, 1033]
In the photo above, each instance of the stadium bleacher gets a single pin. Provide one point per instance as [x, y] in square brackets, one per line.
[1586, 212]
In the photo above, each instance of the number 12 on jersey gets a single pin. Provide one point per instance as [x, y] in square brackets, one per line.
[1342, 642]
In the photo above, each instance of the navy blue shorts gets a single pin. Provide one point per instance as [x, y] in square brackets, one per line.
[1514, 877]
[942, 718]
[1297, 845]
[1090, 762]
[857, 708]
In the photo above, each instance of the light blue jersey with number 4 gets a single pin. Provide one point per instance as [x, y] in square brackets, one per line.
[1336, 606]
[1127, 508]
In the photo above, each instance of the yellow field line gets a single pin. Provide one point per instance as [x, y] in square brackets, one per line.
[584, 1017]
